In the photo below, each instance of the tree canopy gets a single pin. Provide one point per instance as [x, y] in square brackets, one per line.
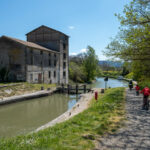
[132, 43]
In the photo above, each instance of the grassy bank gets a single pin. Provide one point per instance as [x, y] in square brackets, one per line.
[78, 133]
[22, 88]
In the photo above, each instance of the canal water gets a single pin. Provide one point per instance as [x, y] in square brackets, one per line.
[26, 116]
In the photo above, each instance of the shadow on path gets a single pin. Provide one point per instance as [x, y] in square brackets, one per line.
[136, 134]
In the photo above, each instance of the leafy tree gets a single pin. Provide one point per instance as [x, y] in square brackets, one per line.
[90, 64]
[76, 72]
[132, 43]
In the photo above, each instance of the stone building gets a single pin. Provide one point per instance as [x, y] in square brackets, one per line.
[43, 58]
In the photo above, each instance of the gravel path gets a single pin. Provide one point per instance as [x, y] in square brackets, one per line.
[136, 134]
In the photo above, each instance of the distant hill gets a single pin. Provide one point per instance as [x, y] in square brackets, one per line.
[116, 64]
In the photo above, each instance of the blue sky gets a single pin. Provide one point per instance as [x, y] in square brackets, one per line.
[87, 22]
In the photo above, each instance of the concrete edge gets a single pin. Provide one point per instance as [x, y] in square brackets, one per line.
[19, 98]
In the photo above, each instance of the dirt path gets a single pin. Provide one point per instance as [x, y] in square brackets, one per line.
[136, 134]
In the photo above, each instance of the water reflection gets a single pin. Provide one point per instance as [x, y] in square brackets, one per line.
[23, 117]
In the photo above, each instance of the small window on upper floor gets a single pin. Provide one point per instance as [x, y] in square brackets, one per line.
[54, 63]
[41, 52]
[31, 60]
[64, 65]
[49, 54]
[64, 46]
[54, 55]
[64, 55]
[49, 62]
[31, 51]
[64, 74]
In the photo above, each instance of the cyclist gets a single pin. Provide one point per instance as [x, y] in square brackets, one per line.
[130, 85]
[146, 93]
[137, 88]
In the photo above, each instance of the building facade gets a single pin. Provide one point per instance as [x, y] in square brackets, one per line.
[43, 58]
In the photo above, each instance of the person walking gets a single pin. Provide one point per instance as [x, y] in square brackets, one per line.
[146, 93]
[137, 88]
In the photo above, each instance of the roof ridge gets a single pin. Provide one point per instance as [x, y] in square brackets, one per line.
[48, 28]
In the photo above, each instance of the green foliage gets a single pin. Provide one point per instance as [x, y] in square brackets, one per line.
[132, 43]
[76, 72]
[102, 117]
[90, 64]
[111, 74]
[129, 76]
[144, 82]
[84, 67]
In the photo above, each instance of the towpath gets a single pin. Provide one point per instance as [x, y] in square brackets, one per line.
[136, 133]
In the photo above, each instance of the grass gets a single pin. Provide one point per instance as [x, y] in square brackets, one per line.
[22, 88]
[80, 132]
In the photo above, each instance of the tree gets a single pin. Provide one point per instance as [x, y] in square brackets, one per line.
[132, 43]
[90, 64]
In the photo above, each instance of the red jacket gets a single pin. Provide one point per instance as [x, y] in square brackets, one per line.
[146, 91]
[137, 88]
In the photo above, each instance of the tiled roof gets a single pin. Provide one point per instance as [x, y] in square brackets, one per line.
[29, 44]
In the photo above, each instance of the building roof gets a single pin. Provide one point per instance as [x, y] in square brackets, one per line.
[43, 26]
[28, 44]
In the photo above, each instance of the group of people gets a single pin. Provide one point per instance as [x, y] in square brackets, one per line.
[145, 91]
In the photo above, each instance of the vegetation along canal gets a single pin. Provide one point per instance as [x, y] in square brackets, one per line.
[23, 117]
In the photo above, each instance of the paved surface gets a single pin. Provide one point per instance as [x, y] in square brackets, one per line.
[136, 134]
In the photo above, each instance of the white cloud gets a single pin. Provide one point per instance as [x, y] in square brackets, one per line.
[84, 50]
[71, 27]
[73, 54]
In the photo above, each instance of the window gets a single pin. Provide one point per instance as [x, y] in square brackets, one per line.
[31, 60]
[64, 74]
[64, 55]
[64, 65]
[31, 51]
[54, 74]
[64, 46]
[54, 55]
[54, 63]
[49, 54]
[49, 74]
[41, 52]
[49, 62]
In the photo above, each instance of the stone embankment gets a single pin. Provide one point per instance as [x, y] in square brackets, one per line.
[18, 98]
[136, 133]
[79, 107]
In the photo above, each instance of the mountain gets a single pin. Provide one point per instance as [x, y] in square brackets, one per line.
[116, 64]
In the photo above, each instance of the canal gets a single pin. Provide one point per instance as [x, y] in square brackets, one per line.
[26, 116]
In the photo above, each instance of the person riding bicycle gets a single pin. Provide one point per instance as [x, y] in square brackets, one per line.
[130, 85]
[137, 88]
[146, 93]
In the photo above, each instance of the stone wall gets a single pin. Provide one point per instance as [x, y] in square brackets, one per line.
[12, 58]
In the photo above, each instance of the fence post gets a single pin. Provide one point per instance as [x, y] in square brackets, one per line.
[76, 88]
[68, 89]
[84, 88]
